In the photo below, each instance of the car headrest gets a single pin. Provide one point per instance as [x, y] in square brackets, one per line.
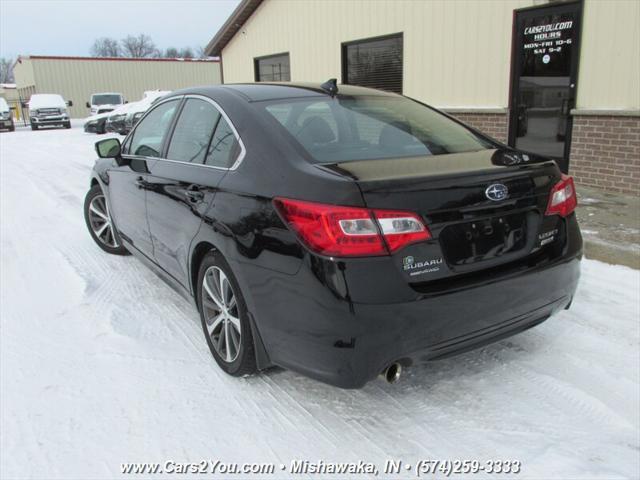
[395, 134]
[316, 130]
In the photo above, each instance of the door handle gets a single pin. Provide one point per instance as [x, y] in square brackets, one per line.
[141, 183]
[193, 193]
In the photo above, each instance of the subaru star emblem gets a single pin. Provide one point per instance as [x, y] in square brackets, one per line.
[497, 192]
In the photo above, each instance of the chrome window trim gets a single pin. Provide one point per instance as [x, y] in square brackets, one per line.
[140, 157]
[241, 155]
[243, 150]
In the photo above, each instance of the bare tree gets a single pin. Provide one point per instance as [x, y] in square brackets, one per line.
[139, 47]
[6, 70]
[200, 53]
[106, 47]
[171, 52]
[186, 53]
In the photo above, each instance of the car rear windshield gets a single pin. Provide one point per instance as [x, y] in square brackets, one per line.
[343, 129]
[106, 99]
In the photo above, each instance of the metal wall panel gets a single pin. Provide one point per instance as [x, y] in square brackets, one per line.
[609, 73]
[457, 53]
[77, 79]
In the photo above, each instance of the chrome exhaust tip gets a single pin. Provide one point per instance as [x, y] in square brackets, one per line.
[392, 373]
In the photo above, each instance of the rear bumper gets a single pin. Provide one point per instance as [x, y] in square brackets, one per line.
[307, 329]
[351, 347]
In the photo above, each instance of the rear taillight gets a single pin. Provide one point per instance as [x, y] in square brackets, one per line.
[399, 229]
[563, 199]
[338, 231]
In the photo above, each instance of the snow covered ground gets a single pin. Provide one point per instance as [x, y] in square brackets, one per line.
[102, 363]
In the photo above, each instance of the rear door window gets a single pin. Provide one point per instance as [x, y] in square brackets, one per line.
[193, 131]
[224, 149]
[150, 132]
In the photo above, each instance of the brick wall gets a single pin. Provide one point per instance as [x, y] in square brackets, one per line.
[605, 149]
[605, 152]
[493, 124]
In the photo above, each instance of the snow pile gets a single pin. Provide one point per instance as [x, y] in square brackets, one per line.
[102, 363]
[142, 105]
[150, 96]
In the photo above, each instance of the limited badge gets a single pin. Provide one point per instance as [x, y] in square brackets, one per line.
[547, 237]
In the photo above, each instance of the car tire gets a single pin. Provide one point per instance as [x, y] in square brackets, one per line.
[99, 223]
[34, 127]
[67, 125]
[227, 332]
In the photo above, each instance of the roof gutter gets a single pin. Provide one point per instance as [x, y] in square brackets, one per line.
[233, 24]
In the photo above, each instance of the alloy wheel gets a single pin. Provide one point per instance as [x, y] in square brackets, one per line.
[221, 314]
[101, 223]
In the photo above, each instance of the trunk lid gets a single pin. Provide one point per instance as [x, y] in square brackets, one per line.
[470, 231]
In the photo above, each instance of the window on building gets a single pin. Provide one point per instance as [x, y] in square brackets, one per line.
[274, 68]
[374, 63]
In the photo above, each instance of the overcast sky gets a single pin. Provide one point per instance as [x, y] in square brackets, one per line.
[69, 27]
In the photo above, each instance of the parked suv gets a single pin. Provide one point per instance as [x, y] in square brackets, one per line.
[105, 102]
[338, 231]
[48, 109]
[6, 119]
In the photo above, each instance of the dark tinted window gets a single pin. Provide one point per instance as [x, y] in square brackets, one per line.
[106, 99]
[559, 29]
[375, 63]
[274, 68]
[362, 128]
[193, 131]
[224, 148]
[149, 134]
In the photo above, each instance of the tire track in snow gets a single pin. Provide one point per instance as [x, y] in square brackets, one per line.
[130, 374]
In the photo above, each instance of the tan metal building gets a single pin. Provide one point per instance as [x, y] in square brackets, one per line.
[76, 78]
[559, 78]
[9, 92]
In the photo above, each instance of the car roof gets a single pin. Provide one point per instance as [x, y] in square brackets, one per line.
[257, 92]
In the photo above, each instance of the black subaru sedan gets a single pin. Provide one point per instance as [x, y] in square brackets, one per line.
[337, 231]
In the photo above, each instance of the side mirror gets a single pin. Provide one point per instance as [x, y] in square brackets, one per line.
[108, 148]
[88, 105]
[69, 103]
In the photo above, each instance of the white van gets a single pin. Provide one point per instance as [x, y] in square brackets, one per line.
[105, 102]
[46, 109]
[6, 120]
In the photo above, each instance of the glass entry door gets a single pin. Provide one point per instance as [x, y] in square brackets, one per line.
[545, 67]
